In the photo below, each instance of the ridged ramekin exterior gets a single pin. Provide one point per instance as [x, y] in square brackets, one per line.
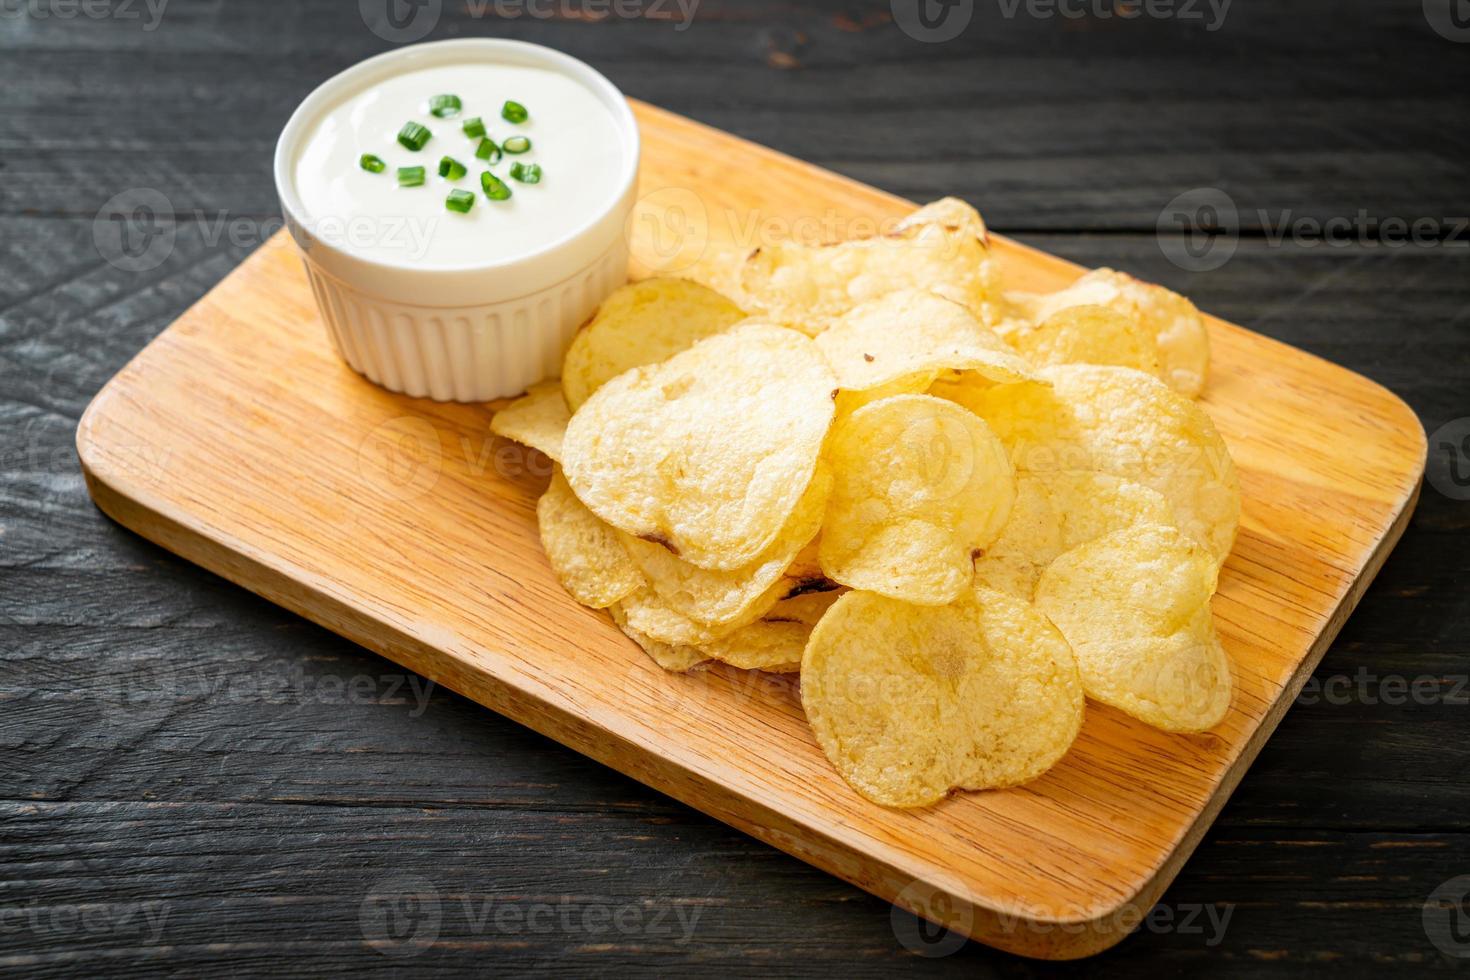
[463, 354]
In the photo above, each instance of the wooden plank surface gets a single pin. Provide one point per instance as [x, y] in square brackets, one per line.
[238, 440]
[231, 793]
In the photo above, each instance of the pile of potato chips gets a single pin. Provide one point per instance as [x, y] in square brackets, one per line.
[956, 511]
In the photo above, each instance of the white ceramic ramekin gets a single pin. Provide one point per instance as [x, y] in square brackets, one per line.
[466, 334]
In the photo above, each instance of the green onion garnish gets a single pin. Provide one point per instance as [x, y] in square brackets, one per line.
[474, 128]
[410, 176]
[372, 164]
[451, 168]
[516, 144]
[445, 106]
[514, 112]
[526, 173]
[487, 150]
[495, 188]
[460, 201]
[414, 136]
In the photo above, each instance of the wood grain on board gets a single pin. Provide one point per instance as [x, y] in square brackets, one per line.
[240, 441]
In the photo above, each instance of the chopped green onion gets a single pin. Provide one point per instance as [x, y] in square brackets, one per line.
[410, 176]
[460, 201]
[514, 112]
[487, 150]
[445, 106]
[495, 188]
[414, 136]
[526, 173]
[372, 164]
[451, 168]
[516, 144]
[474, 128]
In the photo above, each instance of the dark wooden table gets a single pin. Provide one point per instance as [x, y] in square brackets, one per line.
[197, 782]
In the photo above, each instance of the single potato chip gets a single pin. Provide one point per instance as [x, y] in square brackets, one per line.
[951, 212]
[642, 323]
[909, 336]
[671, 657]
[807, 286]
[919, 486]
[715, 597]
[584, 553]
[1135, 606]
[1089, 335]
[537, 419]
[708, 452]
[1056, 512]
[911, 702]
[1127, 424]
[1178, 329]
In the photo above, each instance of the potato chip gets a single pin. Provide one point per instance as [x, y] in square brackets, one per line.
[1178, 329]
[537, 419]
[909, 336]
[1124, 423]
[951, 212]
[715, 597]
[919, 485]
[1089, 335]
[671, 657]
[709, 451]
[773, 643]
[910, 702]
[806, 286]
[1135, 606]
[584, 553]
[1056, 512]
[642, 323]
[647, 612]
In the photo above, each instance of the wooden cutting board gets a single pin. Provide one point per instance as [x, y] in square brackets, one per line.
[240, 441]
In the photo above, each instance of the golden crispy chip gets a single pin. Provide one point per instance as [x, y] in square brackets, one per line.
[1135, 606]
[585, 554]
[919, 485]
[775, 642]
[1056, 512]
[807, 286]
[645, 611]
[1089, 335]
[1178, 329]
[672, 657]
[715, 597]
[910, 702]
[709, 451]
[907, 337]
[537, 419]
[642, 323]
[1124, 423]
[950, 212]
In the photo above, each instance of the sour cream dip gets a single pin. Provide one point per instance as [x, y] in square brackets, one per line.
[445, 261]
